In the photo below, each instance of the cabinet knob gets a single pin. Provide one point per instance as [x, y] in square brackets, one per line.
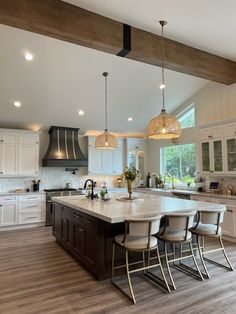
[210, 136]
[2, 141]
[37, 142]
[1, 205]
[1, 172]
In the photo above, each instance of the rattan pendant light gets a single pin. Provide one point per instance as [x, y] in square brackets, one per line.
[164, 126]
[106, 140]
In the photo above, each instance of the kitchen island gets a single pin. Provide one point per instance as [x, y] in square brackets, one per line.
[86, 228]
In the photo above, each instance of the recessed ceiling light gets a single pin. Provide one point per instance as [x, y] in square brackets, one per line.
[17, 104]
[162, 86]
[130, 119]
[29, 56]
[81, 112]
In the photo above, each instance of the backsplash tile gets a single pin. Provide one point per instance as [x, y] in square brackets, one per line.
[55, 178]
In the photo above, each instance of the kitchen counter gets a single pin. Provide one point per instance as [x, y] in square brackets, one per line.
[20, 193]
[186, 192]
[86, 228]
[115, 211]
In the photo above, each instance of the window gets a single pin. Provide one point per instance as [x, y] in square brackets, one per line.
[187, 118]
[179, 161]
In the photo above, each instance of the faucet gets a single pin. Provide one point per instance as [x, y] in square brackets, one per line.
[93, 185]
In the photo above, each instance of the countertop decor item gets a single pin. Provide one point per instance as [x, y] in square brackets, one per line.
[106, 140]
[130, 175]
[164, 126]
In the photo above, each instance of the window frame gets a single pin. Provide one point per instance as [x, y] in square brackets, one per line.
[183, 113]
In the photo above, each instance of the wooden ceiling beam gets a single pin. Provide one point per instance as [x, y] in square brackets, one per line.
[61, 20]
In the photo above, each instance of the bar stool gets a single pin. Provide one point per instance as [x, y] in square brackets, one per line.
[138, 237]
[208, 225]
[176, 231]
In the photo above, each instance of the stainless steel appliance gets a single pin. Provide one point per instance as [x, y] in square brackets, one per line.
[53, 193]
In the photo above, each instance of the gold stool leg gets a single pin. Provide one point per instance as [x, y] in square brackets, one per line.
[162, 271]
[225, 255]
[194, 260]
[201, 257]
[128, 276]
[168, 267]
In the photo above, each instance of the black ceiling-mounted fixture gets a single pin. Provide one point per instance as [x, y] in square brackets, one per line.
[64, 149]
[126, 41]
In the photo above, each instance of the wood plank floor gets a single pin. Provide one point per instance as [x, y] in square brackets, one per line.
[38, 277]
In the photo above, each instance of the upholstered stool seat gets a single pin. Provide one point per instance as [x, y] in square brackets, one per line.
[174, 235]
[176, 231]
[208, 225]
[135, 243]
[206, 229]
[139, 237]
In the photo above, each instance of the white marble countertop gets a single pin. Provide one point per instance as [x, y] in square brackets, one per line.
[21, 193]
[189, 192]
[115, 211]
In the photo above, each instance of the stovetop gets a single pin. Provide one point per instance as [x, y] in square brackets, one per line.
[60, 190]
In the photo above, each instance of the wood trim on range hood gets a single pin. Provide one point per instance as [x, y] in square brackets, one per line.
[61, 20]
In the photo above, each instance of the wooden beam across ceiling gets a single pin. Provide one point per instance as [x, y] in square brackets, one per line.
[61, 20]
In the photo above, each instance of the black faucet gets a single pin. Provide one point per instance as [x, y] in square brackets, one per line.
[93, 185]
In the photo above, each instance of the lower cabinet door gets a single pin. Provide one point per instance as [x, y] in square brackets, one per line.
[85, 240]
[229, 223]
[8, 214]
[57, 220]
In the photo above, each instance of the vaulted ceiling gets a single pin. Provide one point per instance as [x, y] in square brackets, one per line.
[64, 78]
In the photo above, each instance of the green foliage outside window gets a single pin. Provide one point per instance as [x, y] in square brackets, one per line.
[180, 161]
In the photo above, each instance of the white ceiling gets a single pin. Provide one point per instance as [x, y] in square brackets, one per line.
[209, 25]
[64, 78]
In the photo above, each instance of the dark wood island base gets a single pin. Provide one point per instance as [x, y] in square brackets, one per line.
[86, 238]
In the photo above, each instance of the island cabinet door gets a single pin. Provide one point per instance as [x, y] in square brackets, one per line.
[57, 220]
[67, 226]
[85, 239]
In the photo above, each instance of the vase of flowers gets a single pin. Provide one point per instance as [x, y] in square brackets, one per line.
[130, 175]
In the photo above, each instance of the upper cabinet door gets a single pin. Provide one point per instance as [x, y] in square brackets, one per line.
[107, 161]
[218, 156]
[28, 139]
[28, 159]
[231, 155]
[8, 159]
[94, 161]
[205, 156]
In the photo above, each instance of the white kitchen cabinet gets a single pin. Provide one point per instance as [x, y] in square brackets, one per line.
[229, 223]
[211, 156]
[104, 162]
[19, 153]
[16, 210]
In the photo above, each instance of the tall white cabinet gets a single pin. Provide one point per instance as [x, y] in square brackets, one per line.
[105, 162]
[19, 153]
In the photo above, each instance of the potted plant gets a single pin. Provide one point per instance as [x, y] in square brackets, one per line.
[130, 175]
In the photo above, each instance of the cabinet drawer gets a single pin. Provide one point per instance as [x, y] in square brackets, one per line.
[31, 206]
[31, 217]
[32, 197]
[8, 199]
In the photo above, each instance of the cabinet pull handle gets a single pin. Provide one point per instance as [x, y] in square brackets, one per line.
[8, 199]
[33, 217]
[210, 136]
[32, 198]
[32, 206]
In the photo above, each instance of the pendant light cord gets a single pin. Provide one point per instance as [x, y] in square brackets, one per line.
[105, 74]
[163, 64]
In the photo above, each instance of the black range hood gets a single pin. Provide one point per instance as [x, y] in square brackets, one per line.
[64, 149]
